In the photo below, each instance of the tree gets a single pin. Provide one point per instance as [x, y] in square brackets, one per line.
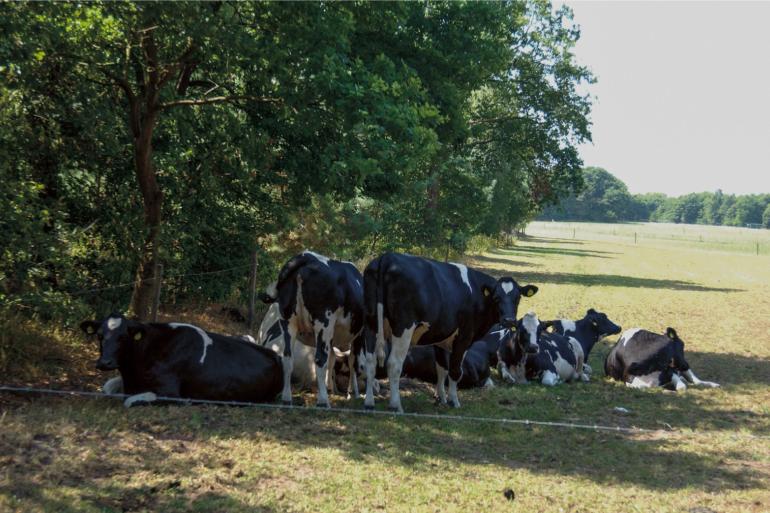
[766, 216]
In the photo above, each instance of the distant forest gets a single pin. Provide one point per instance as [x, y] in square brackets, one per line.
[605, 198]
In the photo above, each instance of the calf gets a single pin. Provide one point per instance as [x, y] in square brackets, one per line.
[418, 301]
[643, 359]
[303, 374]
[534, 354]
[319, 296]
[420, 361]
[182, 360]
[587, 331]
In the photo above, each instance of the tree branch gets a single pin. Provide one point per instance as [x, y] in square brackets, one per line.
[219, 99]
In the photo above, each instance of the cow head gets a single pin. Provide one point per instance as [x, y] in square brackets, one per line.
[528, 331]
[601, 324]
[113, 332]
[506, 295]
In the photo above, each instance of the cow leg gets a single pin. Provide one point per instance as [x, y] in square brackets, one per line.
[550, 377]
[505, 373]
[369, 365]
[455, 374]
[113, 386]
[489, 383]
[442, 370]
[690, 376]
[139, 399]
[678, 383]
[399, 348]
[287, 362]
[353, 379]
[323, 347]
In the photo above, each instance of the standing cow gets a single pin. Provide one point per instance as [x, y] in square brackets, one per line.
[182, 360]
[643, 359]
[317, 295]
[412, 300]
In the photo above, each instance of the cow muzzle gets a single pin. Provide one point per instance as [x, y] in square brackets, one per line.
[532, 349]
[508, 322]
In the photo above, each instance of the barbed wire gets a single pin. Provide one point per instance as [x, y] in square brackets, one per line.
[353, 411]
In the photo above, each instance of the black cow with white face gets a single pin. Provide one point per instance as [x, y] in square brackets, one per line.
[323, 297]
[532, 353]
[418, 301]
[182, 360]
[587, 331]
[643, 359]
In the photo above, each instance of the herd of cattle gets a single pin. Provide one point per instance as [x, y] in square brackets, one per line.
[329, 327]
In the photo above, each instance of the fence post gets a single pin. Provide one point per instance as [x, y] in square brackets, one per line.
[253, 289]
[573, 233]
[158, 281]
[634, 237]
[757, 247]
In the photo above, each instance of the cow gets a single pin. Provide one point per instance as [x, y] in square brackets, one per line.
[411, 300]
[532, 353]
[587, 331]
[643, 359]
[420, 361]
[319, 296]
[182, 360]
[303, 374]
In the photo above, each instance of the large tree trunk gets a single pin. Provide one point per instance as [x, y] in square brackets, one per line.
[141, 300]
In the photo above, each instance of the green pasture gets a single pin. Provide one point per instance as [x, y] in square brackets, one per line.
[710, 451]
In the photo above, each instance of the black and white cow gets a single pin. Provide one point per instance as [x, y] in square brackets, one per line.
[534, 354]
[642, 359]
[411, 300]
[182, 360]
[587, 331]
[303, 375]
[317, 295]
[420, 361]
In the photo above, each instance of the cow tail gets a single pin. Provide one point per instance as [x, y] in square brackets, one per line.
[270, 295]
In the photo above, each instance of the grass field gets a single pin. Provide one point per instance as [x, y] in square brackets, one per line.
[711, 452]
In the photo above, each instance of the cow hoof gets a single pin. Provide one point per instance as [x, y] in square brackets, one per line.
[395, 409]
[286, 403]
[368, 407]
[323, 405]
[452, 404]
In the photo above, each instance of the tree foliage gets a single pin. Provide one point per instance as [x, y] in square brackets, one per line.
[190, 133]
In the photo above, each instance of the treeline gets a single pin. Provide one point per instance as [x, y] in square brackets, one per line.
[190, 133]
[605, 198]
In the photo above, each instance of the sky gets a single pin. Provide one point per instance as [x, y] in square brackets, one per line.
[683, 94]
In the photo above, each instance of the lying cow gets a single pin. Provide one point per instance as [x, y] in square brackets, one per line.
[534, 354]
[182, 360]
[587, 331]
[420, 361]
[643, 359]
[321, 296]
[303, 375]
[411, 300]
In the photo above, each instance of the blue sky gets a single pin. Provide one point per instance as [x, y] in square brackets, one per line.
[683, 93]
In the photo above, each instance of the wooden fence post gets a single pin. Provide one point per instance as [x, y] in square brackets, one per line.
[253, 289]
[158, 282]
[634, 237]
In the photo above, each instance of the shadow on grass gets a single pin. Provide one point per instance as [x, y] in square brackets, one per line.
[549, 240]
[483, 259]
[609, 280]
[538, 250]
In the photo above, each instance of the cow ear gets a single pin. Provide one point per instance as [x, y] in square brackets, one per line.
[529, 290]
[590, 311]
[671, 333]
[89, 327]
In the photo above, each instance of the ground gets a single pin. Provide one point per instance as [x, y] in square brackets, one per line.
[710, 451]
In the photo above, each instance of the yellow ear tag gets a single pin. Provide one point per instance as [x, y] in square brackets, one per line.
[138, 336]
[486, 292]
[513, 329]
[530, 293]
[90, 330]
